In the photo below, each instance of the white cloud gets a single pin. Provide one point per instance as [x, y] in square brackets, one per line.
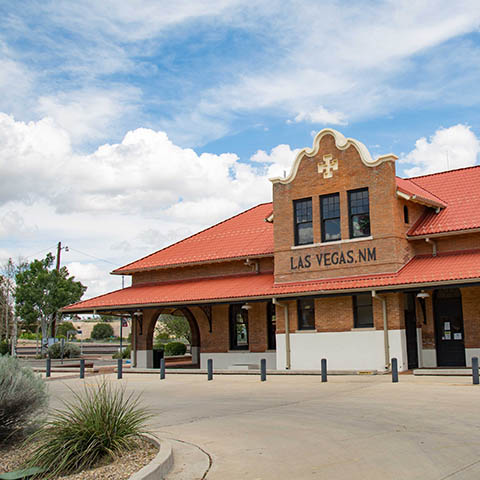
[447, 149]
[96, 279]
[12, 224]
[89, 114]
[121, 202]
[279, 160]
[321, 115]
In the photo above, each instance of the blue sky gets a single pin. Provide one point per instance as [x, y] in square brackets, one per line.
[125, 126]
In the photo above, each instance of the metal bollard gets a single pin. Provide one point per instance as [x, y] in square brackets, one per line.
[119, 368]
[475, 370]
[62, 349]
[210, 369]
[162, 369]
[48, 367]
[263, 370]
[394, 370]
[324, 369]
[82, 368]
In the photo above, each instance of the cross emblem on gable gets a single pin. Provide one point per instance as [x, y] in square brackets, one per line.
[328, 165]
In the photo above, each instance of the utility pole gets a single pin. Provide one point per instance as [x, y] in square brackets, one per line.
[59, 251]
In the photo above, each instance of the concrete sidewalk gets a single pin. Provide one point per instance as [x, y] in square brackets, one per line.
[295, 427]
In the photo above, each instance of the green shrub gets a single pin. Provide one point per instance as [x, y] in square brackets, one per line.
[101, 331]
[30, 336]
[65, 327]
[98, 424]
[23, 396]
[4, 347]
[125, 354]
[70, 350]
[175, 348]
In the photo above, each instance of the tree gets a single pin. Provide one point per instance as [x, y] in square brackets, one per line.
[175, 326]
[41, 291]
[101, 331]
[7, 291]
[65, 327]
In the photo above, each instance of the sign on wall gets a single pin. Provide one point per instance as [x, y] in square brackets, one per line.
[329, 259]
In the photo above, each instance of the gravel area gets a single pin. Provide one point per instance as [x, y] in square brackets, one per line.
[11, 458]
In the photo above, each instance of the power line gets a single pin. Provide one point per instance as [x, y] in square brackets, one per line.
[41, 251]
[93, 256]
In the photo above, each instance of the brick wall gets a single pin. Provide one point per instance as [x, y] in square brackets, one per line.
[386, 216]
[335, 314]
[471, 316]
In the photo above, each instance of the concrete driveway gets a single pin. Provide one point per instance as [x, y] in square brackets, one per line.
[295, 427]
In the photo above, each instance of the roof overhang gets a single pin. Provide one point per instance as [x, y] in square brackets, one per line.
[420, 200]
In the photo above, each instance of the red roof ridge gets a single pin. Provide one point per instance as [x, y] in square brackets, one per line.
[444, 172]
[119, 269]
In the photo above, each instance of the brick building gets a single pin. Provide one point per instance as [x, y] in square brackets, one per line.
[349, 262]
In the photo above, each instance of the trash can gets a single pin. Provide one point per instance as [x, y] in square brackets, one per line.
[157, 356]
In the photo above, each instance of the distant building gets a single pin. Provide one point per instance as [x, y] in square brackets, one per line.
[349, 262]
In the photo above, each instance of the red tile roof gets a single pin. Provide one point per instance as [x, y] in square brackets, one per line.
[422, 270]
[460, 190]
[244, 235]
[247, 234]
[419, 194]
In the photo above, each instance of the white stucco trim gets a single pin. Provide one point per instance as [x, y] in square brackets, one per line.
[469, 353]
[345, 351]
[341, 143]
[144, 359]
[326, 244]
[223, 361]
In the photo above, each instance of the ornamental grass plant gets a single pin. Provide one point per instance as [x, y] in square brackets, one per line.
[100, 423]
[23, 398]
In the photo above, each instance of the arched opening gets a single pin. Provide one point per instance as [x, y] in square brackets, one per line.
[176, 324]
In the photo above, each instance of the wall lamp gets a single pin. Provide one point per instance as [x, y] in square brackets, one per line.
[421, 298]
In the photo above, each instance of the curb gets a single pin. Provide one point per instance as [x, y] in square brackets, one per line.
[160, 465]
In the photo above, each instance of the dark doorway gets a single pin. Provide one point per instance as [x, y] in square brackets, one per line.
[271, 327]
[411, 330]
[447, 306]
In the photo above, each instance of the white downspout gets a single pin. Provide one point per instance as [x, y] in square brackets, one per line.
[287, 333]
[134, 341]
[386, 343]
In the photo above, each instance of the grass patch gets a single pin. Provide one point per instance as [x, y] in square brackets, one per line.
[100, 423]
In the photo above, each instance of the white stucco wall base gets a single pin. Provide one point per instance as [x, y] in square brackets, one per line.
[195, 351]
[429, 358]
[144, 358]
[469, 353]
[223, 361]
[361, 350]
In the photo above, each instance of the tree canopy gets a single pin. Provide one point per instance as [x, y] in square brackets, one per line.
[41, 291]
[173, 326]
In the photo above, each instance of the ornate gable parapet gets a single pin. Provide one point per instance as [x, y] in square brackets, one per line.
[342, 143]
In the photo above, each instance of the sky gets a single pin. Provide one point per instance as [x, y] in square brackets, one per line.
[126, 126]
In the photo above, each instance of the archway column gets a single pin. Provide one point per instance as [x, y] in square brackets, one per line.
[144, 326]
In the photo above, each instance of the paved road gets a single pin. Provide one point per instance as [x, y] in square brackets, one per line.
[353, 427]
